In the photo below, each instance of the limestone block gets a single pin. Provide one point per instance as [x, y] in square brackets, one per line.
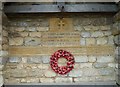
[4, 33]
[63, 80]
[105, 59]
[110, 40]
[75, 73]
[32, 80]
[106, 27]
[97, 34]
[90, 41]
[24, 60]
[91, 28]
[32, 29]
[106, 71]
[85, 34]
[107, 33]
[34, 60]
[4, 40]
[112, 65]
[12, 80]
[44, 66]
[32, 41]
[19, 73]
[105, 78]
[78, 28]
[35, 73]
[42, 28]
[81, 59]
[82, 41]
[91, 58]
[100, 65]
[3, 53]
[85, 65]
[19, 29]
[1, 67]
[46, 80]
[45, 59]
[50, 73]
[15, 60]
[90, 72]
[84, 79]
[102, 41]
[16, 41]
[117, 39]
[35, 34]
[23, 34]
[5, 47]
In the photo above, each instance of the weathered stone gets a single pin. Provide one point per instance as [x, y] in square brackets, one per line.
[75, 73]
[81, 59]
[23, 80]
[24, 60]
[91, 28]
[42, 28]
[43, 66]
[45, 59]
[117, 39]
[84, 79]
[110, 40]
[50, 73]
[4, 33]
[30, 29]
[35, 34]
[101, 41]
[105, 59]
[35, 73]
[85, 65]
[5, 47]
[113, 65]
[105, 78]
[4, 40]
[90, 72]
[82, 41]
[32, 41]
[14, 59]
[1, 67]
[23, 34]
[100, 65]
[106, 27]
[91, 58]
[46, 80]
[106, 71]
[85, 34]
[107, 33]
[63, 80]
[77, 66]
[16, 41]
[34, 60]
[19, 29]
[3, 53]
[32, 80]
[78, 28]
[97, 34]
[90, 41]
[19, 73]
[12, 80]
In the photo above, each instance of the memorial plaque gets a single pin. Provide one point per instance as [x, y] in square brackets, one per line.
[61, 33]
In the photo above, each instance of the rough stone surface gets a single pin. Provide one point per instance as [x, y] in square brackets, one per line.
[85, 34]
[81, 59]
[46, 80]
[63, 80]
[75, 73]
[106, 27]
[97, 34]
[16, 41]
[90, 41]
[50, 73]
[92, 58]
[78, 28]
[34, 60]
[101, 41]
[106, 71]
[32, 41]
[85, 65]
[84, 79]
[32, 29]
[82, 41]
[45, 59]
[105, 59]
[100, 65]
[42, 28]
[35, 34]
[91, 28]
[14, 59]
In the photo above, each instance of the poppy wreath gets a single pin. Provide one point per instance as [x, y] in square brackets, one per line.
[63, 69]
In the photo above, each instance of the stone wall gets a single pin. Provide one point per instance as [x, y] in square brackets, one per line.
[25, 31]
[3, 43]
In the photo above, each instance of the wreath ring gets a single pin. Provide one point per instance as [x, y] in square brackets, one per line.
[63, 69]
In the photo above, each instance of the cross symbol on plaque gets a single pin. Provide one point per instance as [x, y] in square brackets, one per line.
[61, 24]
